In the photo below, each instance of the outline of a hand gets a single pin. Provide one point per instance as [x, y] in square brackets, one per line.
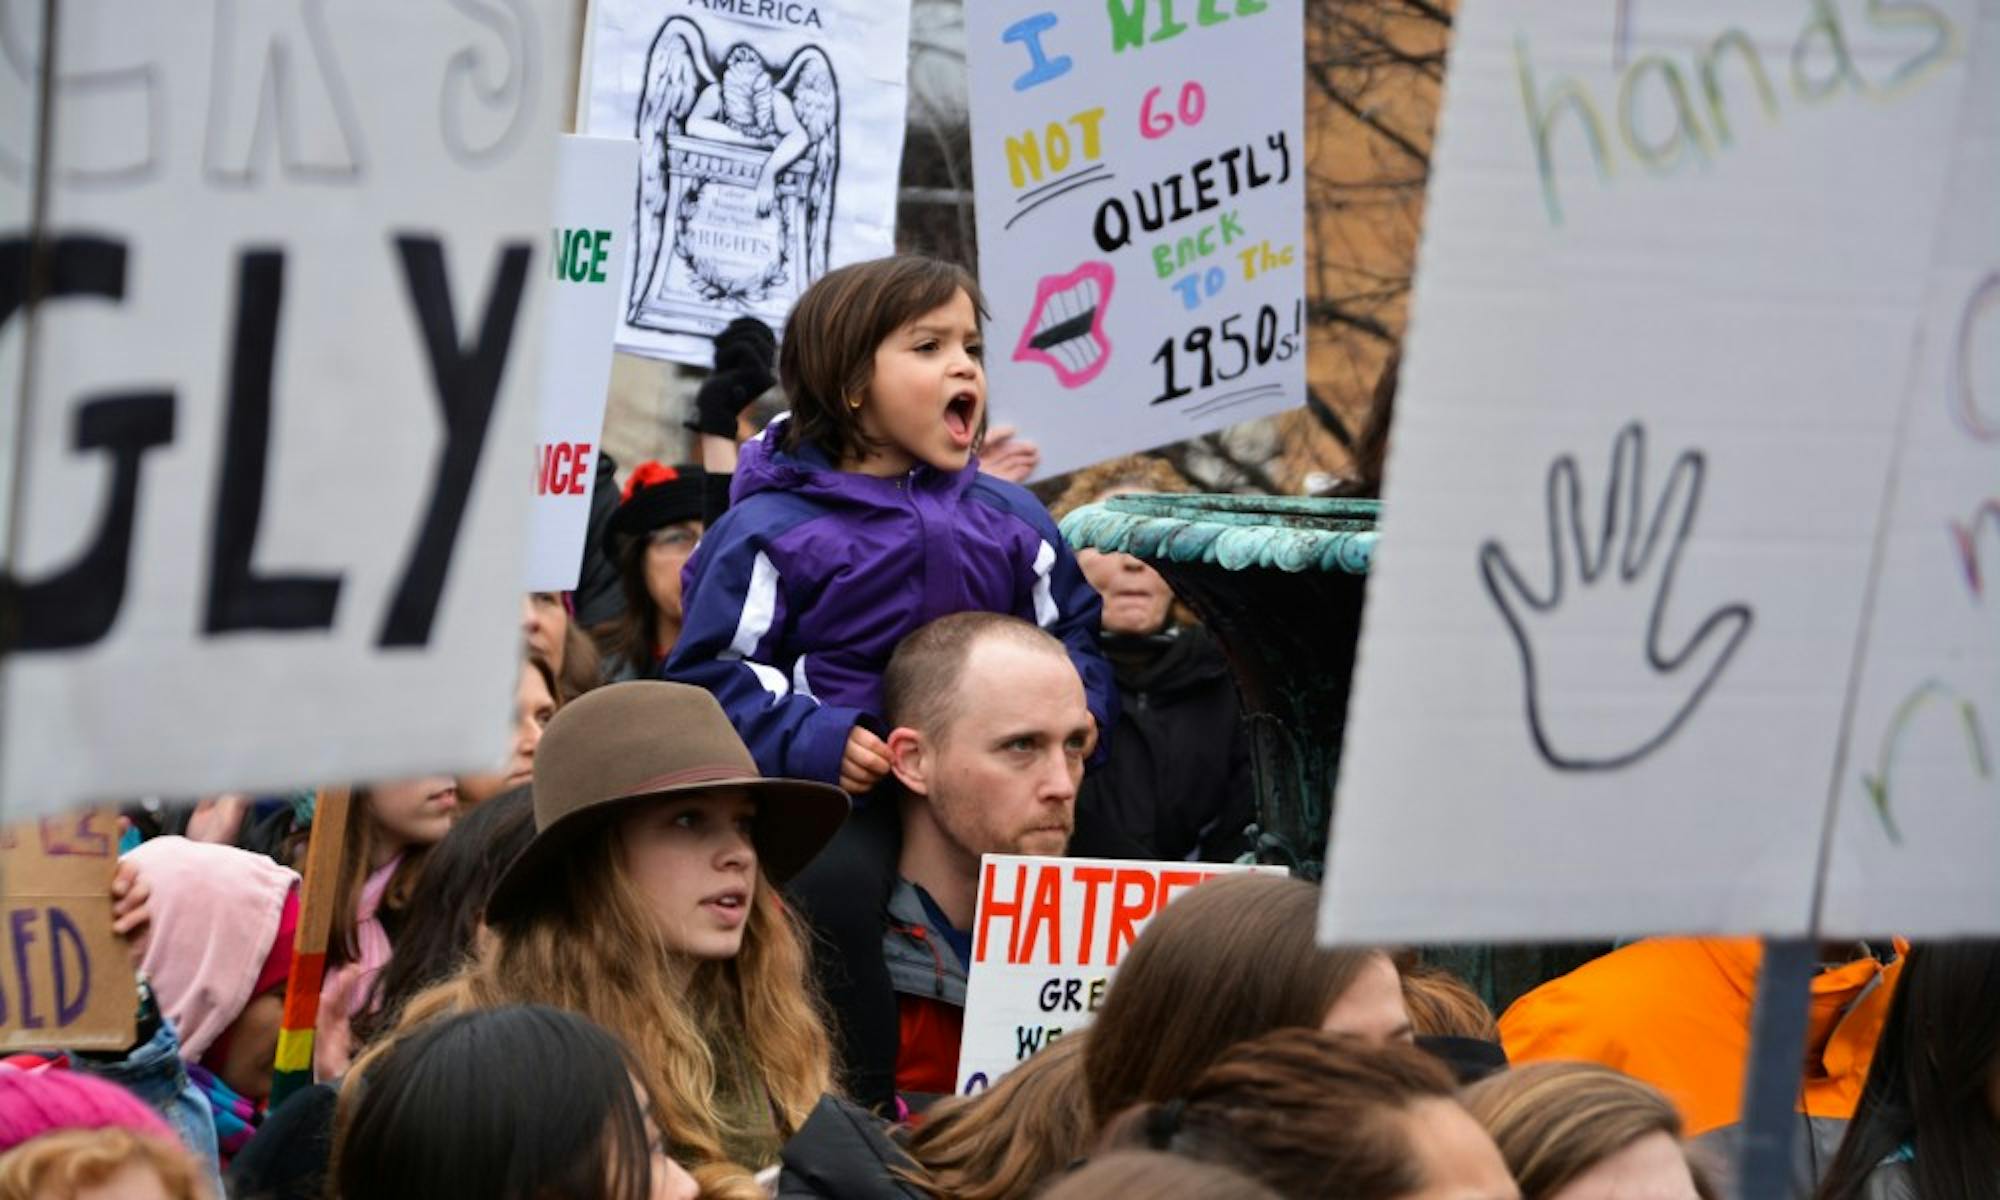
[1706, 653]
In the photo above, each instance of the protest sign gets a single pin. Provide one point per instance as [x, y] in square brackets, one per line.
[1919, 812]
[1141, 185]
[269, 506]
[1048, 937]
[770, 141]
[1673, 266]
[587, 265]
[66, 980]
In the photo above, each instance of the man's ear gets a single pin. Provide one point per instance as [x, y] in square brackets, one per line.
[909, 760]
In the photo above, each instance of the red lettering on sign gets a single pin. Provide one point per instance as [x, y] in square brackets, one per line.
[1128, 908]
[1092, 879]
[992, 908]
[562, 468]
[1046, 912]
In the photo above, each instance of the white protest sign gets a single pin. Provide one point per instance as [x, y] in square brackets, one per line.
[770, 142]
[1141, 181]
[1664, 309]
[1919, 815]
[269, 505]
[1047, 939]
[587, 265]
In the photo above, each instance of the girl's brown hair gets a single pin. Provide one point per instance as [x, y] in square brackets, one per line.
[1157, 1176]
[1229, 960]
[56, 1166]
[1010, 1139]
[358, 849]
[827, 359]
[1443, 1005]
[1309, 1114]
[592, 947]
[1555, 1120]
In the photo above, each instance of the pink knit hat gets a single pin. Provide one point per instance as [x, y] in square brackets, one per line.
[50, 1100]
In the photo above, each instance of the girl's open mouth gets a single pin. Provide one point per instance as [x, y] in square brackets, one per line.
[960, 416]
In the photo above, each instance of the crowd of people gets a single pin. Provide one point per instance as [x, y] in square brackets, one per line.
[706, 929]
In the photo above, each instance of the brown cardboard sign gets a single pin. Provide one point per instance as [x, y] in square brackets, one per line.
[65, 979]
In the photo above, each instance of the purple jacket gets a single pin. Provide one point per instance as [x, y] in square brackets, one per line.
[795, 599]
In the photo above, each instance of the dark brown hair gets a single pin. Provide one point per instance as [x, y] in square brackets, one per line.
[920, 686]
[827, 359]
[1553, 1121]
[1009, 1140]
[1309, 1114]
[1231, 959]
[1157, 1176]
[1443, 1005]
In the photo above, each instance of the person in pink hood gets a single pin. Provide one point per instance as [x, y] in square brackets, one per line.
[217, 956]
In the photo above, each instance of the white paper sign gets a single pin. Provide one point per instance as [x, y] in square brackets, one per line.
[1919, 816]
[587, 266]
[1141, 178]
[770, 141]
[1049, 936]
[1664, 312]
[271, 516]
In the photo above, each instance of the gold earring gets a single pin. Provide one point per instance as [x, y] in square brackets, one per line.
[854, 403]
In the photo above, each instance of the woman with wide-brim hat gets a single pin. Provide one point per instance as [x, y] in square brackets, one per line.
[648, 902]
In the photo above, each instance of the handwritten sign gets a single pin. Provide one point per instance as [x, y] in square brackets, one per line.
[1140, 168]
[269, 473]
[1049, 935]
[1649, 417]
[586, 266]
[1920, 796]
[66, 980]
[770, 141]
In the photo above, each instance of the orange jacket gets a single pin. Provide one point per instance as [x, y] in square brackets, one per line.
[1675, 1012]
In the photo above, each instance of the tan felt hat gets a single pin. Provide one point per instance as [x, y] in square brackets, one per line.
[628, 742]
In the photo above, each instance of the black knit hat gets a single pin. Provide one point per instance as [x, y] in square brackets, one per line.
[658, 495]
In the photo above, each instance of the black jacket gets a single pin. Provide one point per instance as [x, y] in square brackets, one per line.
[599, 595]
[1177, 781]
[843, 1153]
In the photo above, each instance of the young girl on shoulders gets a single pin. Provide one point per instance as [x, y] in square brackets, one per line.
[863, 517]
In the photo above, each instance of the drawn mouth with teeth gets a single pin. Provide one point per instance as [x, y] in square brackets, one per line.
[1065, 330]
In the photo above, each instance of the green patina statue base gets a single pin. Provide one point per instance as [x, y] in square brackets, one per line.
[1280, 581]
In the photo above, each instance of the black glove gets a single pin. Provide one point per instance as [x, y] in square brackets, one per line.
[745, 355]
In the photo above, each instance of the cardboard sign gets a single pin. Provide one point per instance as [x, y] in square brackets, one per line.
[269, 491]
[1049, 935]
[770, 142]
[1675, 260]
[1919, 812]
[66, 981]
[587, 264]
[1141, 180]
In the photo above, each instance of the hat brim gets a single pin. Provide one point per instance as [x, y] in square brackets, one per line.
[657, 507]
[795, 820]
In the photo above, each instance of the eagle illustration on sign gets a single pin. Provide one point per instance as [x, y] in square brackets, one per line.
[737, 163]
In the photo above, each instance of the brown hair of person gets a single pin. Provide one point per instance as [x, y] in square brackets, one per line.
[926, 673]
[1443, 1005]
[827, 359]
[1553, 1121]
[57, 1166]
[1308, 1114]
[357, 851]
[1156, 1176]
[1231, 959]
[591, 946]
[583, 666]
[1134, 473]
[1010, 1139]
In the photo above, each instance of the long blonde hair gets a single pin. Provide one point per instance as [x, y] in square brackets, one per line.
[592, 947]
